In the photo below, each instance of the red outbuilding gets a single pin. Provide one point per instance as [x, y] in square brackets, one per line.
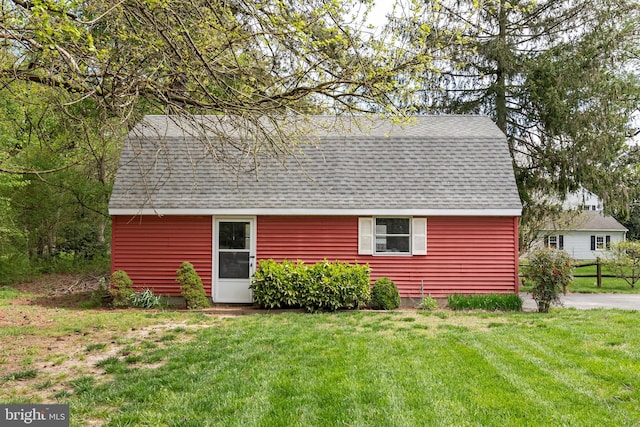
[431, 203]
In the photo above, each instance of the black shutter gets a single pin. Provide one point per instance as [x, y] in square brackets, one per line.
[561, 242]
[593, 243]
[608, 242]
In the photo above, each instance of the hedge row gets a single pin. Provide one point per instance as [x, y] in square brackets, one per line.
[324, 286]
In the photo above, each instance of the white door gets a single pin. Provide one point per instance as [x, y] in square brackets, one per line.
[234, 259]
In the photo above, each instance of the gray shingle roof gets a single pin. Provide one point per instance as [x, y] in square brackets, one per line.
[431, 163]
[585, 221]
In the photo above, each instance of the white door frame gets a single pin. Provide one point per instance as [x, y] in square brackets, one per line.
[232, 290]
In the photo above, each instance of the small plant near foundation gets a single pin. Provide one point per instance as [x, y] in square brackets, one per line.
[384, 295]
[428, 303]
[146, 299]
[192, 289]
[121, 289]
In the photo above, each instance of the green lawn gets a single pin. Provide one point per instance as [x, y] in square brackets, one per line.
[609, 284]
[589, 284]
[573, 368]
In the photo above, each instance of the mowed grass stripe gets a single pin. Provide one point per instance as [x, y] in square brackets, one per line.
[365, 368]
[553, 372]
[539, 392]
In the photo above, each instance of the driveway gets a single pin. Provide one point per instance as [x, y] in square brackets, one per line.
[589, 301]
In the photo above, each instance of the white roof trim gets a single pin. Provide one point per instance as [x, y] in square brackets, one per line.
[284, 211]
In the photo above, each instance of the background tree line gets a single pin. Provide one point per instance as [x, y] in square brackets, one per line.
[559, 77]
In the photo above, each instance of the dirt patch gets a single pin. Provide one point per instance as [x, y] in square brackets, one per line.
[41, 367]
[60, 290]
[59, 361]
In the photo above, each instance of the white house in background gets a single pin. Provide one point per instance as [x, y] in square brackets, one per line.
[583, 231]
[583, 200]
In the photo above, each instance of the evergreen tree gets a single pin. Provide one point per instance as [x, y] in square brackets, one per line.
[558, 77]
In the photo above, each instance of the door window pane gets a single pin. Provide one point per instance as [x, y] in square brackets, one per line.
[234, 235]
[233, 265]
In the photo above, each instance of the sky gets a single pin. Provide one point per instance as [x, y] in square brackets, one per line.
[378, 15]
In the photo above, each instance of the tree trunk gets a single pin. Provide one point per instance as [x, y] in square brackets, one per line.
[543, 307]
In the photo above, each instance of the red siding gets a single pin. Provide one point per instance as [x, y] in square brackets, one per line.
[464, 255]
[308, 238]
[471, 255]
[150, 249]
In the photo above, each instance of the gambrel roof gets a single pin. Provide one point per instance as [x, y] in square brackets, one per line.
[430, 165]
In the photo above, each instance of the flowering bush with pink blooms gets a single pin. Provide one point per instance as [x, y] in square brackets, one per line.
[549, 271]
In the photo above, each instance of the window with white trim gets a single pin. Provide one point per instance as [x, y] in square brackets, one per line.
[555, 241]
[392, 236]
[600, 242]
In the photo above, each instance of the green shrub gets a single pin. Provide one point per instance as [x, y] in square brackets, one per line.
[277, 284]
[428, 303]
[146, 299]
[323, 286]
[121, 288]
[385, 295]
[549, 270]
[335, 286]
[191, 287]
[490, 302]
